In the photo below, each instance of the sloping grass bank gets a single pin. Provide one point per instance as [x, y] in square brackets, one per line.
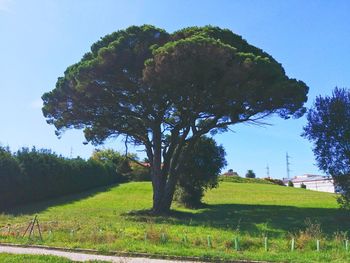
[247, 211]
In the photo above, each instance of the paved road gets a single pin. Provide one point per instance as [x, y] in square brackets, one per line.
[81, 256]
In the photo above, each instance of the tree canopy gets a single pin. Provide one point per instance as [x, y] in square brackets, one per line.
[329, 130]
[165, 90]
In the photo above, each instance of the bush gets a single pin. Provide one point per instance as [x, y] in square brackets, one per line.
[139, 173]
[236, 179]
[9, 176]
[200, 172]
[125, 166]
[303, 186]
[250, 174]
[290, 184]
[33, 175]
[275, 181]
[9, 166]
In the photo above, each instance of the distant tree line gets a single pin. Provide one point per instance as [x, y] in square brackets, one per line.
[32, 175]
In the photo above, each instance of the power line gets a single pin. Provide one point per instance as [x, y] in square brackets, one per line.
[287, 164]
[268, 171]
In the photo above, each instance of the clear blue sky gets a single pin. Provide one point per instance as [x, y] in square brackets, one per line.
[39, 39]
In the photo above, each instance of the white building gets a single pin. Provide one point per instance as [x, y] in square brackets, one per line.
[314, 182]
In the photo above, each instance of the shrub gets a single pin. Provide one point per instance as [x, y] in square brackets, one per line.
[33, 175]
[236, 179]
[9, 176]
[250, 174]
[275, 181]
[9, 166]
[303, 186]
[139, 173]
[290, 184]
[125, 166]
[200, 172]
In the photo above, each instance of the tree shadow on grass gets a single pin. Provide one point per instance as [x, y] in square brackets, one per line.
[254, 219]
[37, 207]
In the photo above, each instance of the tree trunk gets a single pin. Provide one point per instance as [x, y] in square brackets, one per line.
[169, 193]
[164, 177]
[158, 176]
[158, 183]
[163, 196]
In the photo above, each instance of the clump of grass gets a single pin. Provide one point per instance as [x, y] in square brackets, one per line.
[94, 237]
[184, 239]
[156, 235]
[340, 236]
[247, 243]
[228, 244]
[197, 241]
[152, 234]
[311, 233]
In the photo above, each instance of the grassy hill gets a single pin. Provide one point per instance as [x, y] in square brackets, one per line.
[112, 219]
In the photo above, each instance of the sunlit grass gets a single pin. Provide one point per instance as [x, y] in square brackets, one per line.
[11, 258]
[111, 220]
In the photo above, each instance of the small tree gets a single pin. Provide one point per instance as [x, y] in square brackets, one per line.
[290, 184]
[328, 128]
[250, 174]
[128, 166]
[302, 185]
[107, 155]
[139, 172]
[200, 172]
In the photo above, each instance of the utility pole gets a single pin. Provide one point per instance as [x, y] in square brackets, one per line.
[268, 171]
[287, 163]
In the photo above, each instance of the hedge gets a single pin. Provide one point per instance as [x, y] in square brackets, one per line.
[33, 175]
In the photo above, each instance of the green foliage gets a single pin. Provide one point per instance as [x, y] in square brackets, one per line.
[9, 166]
[250, 174]
[107, 156]
[122, 164]
[275, 181]
[329, 130]
[9, 175]
[139, 173]
[302, 185]
[33, 175]
[290, 184]
[236, 179]
[125, 166]
[200, 172]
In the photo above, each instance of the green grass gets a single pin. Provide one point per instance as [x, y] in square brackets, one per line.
[11, 258]
[111, 220]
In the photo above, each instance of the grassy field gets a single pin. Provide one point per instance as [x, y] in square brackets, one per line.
[10, 258]
[112, 219]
